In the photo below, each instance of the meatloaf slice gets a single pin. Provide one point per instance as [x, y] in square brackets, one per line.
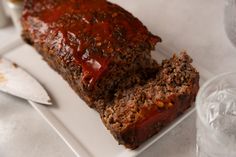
[140, 112]
[93, 44]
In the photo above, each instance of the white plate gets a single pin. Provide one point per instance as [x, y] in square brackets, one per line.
[9, 38]
[78, 125]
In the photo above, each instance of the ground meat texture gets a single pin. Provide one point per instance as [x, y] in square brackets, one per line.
[103, 52]
[93, 44]
[140, 112]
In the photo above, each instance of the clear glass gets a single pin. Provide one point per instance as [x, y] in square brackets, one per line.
[216, 117]
[230, 20]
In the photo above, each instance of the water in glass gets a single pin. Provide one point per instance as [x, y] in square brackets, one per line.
[216, 122]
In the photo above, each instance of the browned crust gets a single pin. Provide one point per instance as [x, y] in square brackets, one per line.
[130, 137]
[130, 69]
[125, 57]
[140, 112]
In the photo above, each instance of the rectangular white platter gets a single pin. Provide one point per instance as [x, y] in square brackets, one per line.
[78, 125]
[9, 38]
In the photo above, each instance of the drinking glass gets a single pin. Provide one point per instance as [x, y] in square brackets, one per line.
[230, 20]
[216, 117]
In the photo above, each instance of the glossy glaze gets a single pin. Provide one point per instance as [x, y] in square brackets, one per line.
[155, 119]
[93, 30]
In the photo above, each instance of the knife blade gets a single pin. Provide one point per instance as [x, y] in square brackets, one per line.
[17, 82]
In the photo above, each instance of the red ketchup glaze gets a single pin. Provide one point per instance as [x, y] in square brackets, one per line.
[97, 31]
[144, 127]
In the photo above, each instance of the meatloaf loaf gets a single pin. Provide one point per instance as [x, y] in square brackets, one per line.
[140, 112]
[103, 52]
[93, 44]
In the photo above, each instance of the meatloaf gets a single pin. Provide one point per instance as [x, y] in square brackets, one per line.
[140, 112]
[103, 52]
[93, 44]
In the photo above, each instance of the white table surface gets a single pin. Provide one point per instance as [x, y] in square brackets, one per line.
[23, 133]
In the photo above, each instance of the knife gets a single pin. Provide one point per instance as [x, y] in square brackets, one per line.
[17, 82]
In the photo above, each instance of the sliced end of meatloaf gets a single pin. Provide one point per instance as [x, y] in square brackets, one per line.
[93, 44]
[138, 113]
